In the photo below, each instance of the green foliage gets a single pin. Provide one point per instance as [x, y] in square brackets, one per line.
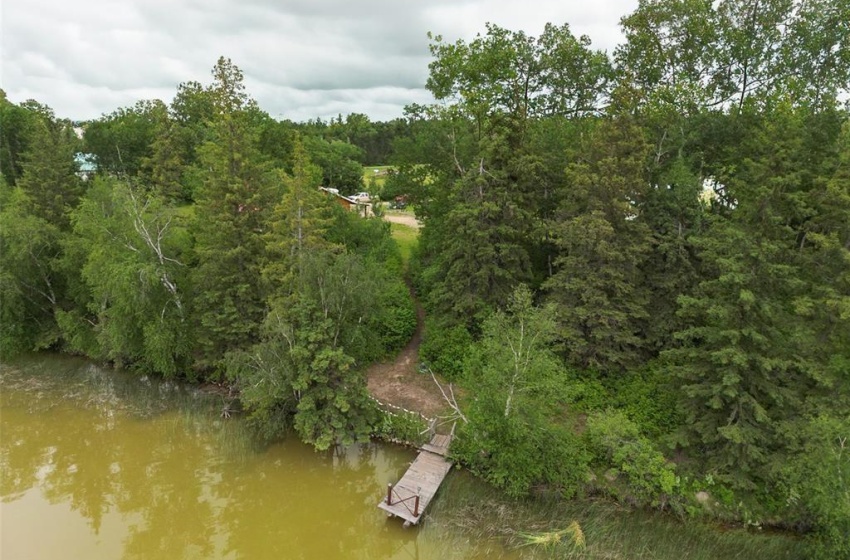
[49, 178]
[601, 246]
[684, 213]
[339, 162]
[585, 392]
[483, 180]
[445, 348]
[401, 426]
[122, 141]
[509, 71]
[135, 274]
[35, 223]
[674, 213]
[304, 368]
[753, 351]
[394, 318]
[511, 438]
[696, 54]
[518, 456]
[617, 444]
[482, 258]
[370, 238]
[299, 223]
[18, 123]
[649, 399]
[29, 283]
[263, 278]
[169, 170]
[817, 481]
[232, 211]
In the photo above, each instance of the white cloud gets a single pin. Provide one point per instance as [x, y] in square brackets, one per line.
[301, 58]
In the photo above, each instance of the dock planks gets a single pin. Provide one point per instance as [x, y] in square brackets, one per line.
[422, 478]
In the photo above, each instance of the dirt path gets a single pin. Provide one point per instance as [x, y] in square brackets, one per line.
[404, 218]
[399, 382]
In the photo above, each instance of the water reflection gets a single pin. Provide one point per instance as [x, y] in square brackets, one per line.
[96, 464]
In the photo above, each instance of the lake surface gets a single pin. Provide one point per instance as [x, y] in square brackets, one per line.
[99, 464]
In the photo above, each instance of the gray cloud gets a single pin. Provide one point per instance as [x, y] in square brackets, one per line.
[301, 58]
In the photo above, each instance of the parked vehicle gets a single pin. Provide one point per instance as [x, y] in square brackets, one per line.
[398, 203]
[360, 197]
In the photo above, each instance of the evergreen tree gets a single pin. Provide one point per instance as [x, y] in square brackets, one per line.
[483, 237]
[673, 211]
[597, 286]
[163, 172]
[49, 181]
[299, 224]
[480, 223]
[303, 374]
[755, 350]
[17, 124]
[231, 216]
[35, 224]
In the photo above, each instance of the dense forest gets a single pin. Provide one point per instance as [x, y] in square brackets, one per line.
[635, 265]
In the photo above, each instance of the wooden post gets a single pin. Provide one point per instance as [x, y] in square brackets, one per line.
[416, 506]
[389, 493]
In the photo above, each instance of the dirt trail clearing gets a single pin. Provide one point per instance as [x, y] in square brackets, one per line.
[403, 218]
[399, 382]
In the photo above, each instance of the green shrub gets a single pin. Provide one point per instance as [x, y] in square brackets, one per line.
[816, 479]
[401, 426]
[445, 348]
[518, 457]
[648, 399]
[396, 320]
[586, 393]
[619, 447]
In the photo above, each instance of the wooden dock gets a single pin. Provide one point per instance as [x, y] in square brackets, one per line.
[409, 497]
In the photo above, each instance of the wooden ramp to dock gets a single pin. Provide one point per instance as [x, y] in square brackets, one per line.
[410, 496]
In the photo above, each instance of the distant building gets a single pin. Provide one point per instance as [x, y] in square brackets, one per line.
[350, 204]
[86, 167]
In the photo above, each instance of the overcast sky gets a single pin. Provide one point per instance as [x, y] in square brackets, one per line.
[301, 58]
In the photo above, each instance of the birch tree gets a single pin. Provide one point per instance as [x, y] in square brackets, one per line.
[517, 385]
[135, 271]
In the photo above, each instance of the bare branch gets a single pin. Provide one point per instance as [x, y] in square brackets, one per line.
[450, 398]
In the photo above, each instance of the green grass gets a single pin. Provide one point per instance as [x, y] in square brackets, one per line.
[375, 181]
[608, 530]
[406, 237]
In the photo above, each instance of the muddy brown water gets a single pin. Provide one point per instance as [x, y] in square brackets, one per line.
[98, 464]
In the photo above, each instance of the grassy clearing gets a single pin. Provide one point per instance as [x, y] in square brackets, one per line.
[406, 237]
[588, 529]
[375, 176]
[409, 209]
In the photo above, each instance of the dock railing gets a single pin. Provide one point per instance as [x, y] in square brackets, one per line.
[400, 500]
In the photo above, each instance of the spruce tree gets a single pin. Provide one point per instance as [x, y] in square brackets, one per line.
[231, 217]
[35, 224]
[765, 337]
[50, 183]
[598, 286]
